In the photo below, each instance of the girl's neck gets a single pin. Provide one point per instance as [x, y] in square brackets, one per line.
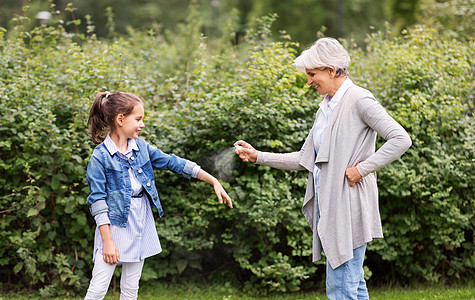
[122, 143]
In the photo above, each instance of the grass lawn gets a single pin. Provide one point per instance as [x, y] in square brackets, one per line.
[466, 291]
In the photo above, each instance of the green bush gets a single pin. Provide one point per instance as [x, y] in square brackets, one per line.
[200, 97]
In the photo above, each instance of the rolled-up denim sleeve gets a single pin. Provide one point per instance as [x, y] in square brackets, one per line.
[191, 169]
[195, 171]
[99, 207]
[96, 180]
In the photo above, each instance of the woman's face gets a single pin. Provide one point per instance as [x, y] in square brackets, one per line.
[320, 80]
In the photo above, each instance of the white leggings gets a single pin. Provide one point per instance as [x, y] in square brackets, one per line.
[102, 275]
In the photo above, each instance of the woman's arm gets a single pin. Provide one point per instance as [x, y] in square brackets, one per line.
[283, 161]
[218, 188]
[397, 139]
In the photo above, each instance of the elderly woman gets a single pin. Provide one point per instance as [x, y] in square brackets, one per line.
[341, 199]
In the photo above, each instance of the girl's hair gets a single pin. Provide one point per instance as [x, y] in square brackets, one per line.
[324, 53]
[105, 108]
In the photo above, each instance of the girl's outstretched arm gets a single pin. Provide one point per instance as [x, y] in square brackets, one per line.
[218, 188]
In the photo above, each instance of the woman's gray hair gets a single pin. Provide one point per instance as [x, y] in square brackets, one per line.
[324, 53]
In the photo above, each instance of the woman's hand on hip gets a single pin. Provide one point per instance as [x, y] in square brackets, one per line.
[353, 175]
[245, 151]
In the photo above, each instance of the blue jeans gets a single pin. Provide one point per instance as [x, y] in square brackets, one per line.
[347, 281]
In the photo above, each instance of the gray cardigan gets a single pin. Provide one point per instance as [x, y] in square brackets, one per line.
[349, 216]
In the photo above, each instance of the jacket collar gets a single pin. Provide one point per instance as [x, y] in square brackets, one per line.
[112, 148]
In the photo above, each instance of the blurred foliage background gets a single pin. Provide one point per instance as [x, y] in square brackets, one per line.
[302, 19]
[212, 73]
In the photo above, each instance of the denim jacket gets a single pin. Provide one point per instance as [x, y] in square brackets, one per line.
[109, 181]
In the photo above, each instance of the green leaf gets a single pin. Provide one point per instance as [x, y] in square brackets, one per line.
[195, 264]
[81, 219]
[18, 267]
[55, 182]
[32, 212]
[51, 235]
[181, 265]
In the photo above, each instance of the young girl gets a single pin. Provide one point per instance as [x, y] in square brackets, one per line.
[122, 185]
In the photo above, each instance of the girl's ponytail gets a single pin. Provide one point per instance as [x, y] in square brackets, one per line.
[97, 117]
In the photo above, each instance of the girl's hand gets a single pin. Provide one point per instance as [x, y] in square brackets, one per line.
[110, 253]
[245, 151]
[221, 193]
[218, 188]
[353, 175]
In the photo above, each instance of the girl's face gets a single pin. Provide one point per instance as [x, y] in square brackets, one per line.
[131, 124]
